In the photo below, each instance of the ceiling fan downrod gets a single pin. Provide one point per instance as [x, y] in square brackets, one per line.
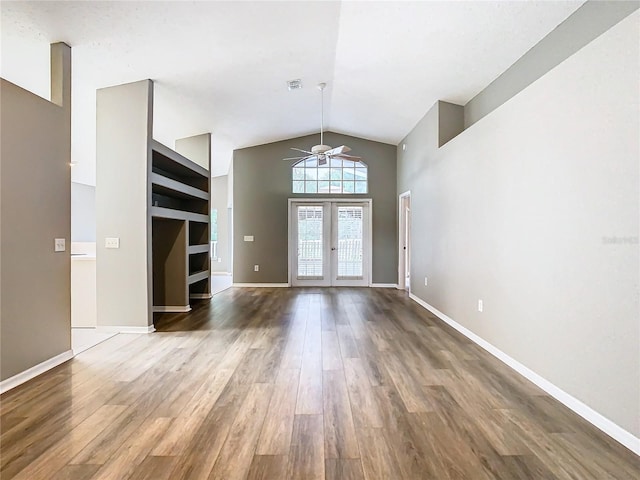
[321, 87]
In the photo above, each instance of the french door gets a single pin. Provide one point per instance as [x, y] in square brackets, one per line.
[330, 243]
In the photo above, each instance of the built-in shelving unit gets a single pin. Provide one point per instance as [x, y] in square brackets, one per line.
[180, 229]
[156, 202]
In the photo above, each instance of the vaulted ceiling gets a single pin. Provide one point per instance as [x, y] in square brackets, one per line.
[223, 66]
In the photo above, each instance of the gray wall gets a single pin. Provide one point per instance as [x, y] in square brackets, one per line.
[262, 185]
[219, 201]
[83, 212]
[585, 24]
[35, 313]
[534, 209]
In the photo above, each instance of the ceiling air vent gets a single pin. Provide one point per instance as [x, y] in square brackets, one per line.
[294, 84]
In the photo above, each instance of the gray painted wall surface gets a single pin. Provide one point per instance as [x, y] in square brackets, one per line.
[219, 201]
[83, 212]
[534, 209]
[35, 313]
[262, 185]
[196, 148]
[124, 122]
[585, 24]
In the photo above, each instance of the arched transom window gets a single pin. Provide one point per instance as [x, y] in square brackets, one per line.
[334, 176]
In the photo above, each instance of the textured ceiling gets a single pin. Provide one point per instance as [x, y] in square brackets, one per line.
[222, 66]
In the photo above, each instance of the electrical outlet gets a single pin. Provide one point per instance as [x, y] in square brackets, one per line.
[480, 305]
[426, 282]
[248, 238]
[256, 268]
[59, 245]
[111, 242]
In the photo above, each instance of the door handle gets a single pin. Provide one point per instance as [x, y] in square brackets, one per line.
[333, 248]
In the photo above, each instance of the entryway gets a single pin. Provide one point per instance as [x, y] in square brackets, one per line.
[404, 244]
[329, 243]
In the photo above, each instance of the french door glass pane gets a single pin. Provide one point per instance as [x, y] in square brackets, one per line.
[350, 251]
[310, 259]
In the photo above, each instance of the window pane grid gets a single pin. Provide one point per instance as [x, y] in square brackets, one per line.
[337, 176]
[310, 258]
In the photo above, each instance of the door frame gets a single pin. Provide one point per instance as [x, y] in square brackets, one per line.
[402, 273]
[368, 253]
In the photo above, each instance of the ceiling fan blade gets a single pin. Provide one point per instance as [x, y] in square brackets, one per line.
[303, 151]
[346, 157]
[338, 150]
[294, 158]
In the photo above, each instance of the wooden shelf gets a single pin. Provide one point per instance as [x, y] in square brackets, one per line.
[170, 161]
[193, 249]
[173, 188]
[180, 193]
[162, 212]
[196, 277]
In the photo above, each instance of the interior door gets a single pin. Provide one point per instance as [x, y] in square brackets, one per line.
[404, 236]
[329, 244]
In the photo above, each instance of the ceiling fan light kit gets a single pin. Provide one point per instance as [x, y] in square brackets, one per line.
[323, 152]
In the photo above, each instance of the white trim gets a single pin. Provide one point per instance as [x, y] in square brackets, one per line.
[200, 296]
[39, 369]
[172, 308]
[384, 285]
[329, 282]
[125, 329]
[221, 274]
[261, 285]
[589, 414]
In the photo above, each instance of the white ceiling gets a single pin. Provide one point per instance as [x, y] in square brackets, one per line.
[222, 66]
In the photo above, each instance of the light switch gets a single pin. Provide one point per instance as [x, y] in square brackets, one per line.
[59, 245]
[111, 242]
[248, 238]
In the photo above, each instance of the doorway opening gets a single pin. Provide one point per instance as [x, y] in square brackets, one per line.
[404, 243]
[329, 243]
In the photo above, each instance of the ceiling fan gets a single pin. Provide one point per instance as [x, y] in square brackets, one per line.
[323, 152]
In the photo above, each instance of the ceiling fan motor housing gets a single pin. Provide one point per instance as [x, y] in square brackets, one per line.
[316, 149]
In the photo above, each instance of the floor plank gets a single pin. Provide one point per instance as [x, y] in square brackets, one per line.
[301, 383]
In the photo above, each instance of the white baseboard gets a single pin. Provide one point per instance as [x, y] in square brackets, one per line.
[590, 415]
[125, 329]
[384, 285]
[22, 377]
[173, 308]
[261, 285]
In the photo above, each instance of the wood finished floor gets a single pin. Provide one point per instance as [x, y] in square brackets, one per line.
[297, 384]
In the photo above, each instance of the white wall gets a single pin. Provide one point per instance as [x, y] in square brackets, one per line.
[219, 200]
[534, 209]
[83, 212]
[124, 122]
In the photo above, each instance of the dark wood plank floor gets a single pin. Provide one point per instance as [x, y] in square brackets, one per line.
[297, 384]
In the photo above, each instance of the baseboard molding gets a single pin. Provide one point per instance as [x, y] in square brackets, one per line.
[20, 378]
[261, 285]
[200, 296]
[384, 285]
[125, 329]
[590, 415]
[173, 308]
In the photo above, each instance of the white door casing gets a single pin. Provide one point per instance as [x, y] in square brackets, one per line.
[329, 242]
